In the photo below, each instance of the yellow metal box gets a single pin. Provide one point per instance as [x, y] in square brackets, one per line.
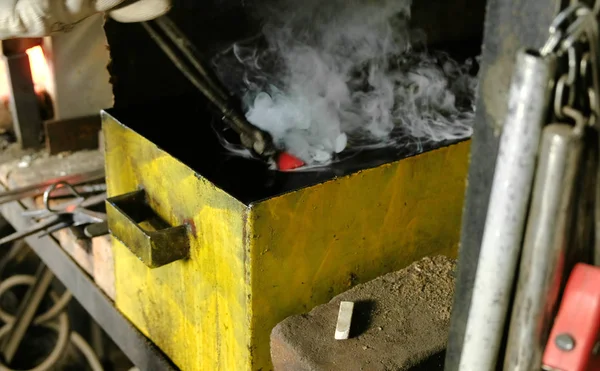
[211, 251]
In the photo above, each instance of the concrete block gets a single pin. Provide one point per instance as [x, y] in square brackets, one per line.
[400, 320]
[80, 249]
[104, 267]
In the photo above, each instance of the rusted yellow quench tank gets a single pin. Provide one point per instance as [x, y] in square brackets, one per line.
[210, 280]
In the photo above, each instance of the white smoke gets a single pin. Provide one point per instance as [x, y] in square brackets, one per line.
[328, 75]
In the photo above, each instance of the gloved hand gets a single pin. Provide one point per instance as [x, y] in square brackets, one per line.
[38, 18]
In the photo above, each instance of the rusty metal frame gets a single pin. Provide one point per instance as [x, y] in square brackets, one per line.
[509, 26]
[139, 349]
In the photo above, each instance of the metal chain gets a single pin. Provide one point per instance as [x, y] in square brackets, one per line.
[573, 39]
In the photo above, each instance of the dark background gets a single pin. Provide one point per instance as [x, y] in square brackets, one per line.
[140, 72]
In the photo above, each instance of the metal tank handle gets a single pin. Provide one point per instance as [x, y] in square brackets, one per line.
[132, 221]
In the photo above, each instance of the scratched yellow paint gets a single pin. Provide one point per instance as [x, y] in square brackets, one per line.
[313, 244]
[197, 311]
[252, 266]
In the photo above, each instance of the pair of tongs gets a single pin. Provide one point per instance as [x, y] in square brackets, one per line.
[186, 58]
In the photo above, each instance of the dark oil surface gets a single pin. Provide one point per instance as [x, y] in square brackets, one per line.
[184, 127]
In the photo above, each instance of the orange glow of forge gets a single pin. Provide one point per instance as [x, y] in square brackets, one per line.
[40, 72]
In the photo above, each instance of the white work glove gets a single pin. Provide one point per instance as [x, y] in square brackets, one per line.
[38, 18]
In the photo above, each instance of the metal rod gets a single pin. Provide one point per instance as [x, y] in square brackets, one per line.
[188, 72]
[59, 193]
[547, 239]
[26, 313]
[251, 136]
[32, 230]
[73, 179]
[501, 245]
[192, 54]
[96, 230]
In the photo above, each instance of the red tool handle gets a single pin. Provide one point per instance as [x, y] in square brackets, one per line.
[574, 343]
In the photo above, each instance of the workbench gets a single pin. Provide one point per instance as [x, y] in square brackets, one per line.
[84, 267]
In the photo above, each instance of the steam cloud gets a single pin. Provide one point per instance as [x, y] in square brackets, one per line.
[325, 76]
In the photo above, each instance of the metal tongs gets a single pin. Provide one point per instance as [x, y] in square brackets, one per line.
[73, 213]
[187, 59]
[76, 213]
[77, 210]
